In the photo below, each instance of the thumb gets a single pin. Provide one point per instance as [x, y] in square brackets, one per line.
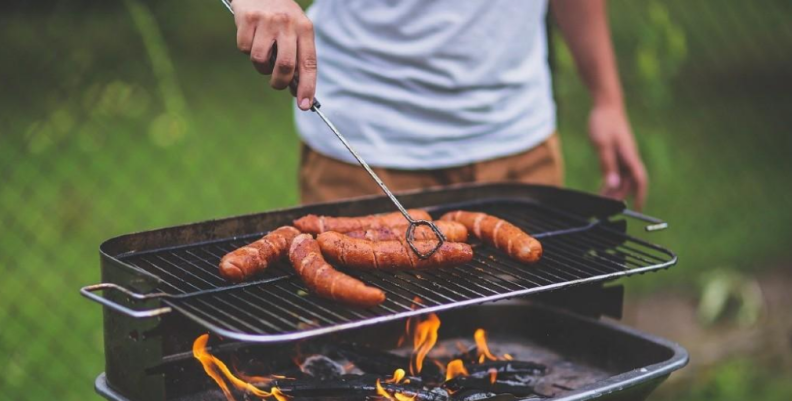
[610, 169]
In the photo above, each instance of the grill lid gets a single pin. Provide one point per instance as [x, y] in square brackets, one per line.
[277, 307]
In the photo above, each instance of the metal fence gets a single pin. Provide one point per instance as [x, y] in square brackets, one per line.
[129, 115]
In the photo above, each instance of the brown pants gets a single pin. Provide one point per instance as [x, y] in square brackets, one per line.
[325, 179]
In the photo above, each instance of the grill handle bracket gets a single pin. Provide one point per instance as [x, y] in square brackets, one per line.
[655, 223]
[89, 292]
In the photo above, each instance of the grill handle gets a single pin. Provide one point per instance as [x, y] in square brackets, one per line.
[655, 223]
[89, 292]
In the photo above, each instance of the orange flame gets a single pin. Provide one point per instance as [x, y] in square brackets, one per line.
[397, 376]
[212, 365]
[483, 349]
[493, 375]
[455, 368]
[408, 329]
[508, 357]
[424, 339]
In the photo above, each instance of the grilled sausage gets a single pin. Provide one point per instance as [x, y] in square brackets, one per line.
[499, 233]
[453, 232]
[313, 224]
[251, 259]
[390, 255]
[327, 282]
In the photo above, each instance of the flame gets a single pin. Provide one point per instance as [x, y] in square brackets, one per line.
[396, 396]
[398, 375]
[408, 329]
[424, 339]
[483, 349]
[508, 357]
[455, 368]
[493, 375]
[212, 365]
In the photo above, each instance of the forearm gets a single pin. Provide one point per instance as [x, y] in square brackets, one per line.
[584, 24]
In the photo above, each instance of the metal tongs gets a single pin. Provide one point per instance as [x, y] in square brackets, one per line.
[410, 236]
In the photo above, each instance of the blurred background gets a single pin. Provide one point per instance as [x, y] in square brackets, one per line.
[127, 115]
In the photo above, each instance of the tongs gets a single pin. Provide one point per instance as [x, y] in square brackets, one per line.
[315, 107]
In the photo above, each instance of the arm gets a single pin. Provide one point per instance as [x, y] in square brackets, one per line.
[262, 23]
[584, 24]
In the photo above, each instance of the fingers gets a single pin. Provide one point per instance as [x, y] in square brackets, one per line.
[264, 38]
[306, 65]
[610, 169]
[263, 27]
[246, 27]
[636, 171]
[286, 63]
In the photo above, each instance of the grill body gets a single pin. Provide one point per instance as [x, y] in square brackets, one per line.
[613, 362]
[584, 246]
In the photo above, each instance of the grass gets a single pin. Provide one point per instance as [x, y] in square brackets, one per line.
[100, 137]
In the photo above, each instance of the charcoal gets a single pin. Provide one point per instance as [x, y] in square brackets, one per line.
[472, 395]
[513, 387]
[384, 363]
[321, 367]
[353, 385]
[507, 368]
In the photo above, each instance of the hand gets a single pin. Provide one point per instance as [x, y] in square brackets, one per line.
[260, 24]
[623, 171]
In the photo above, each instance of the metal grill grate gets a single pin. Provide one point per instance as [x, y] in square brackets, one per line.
[277, 307]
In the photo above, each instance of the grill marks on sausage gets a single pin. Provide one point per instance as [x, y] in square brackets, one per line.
[313, 224]
[390, 255]
[251, 259]
[453, 232]
[499, 233]
[327, 282]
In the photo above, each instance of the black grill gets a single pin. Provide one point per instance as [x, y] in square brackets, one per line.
[278, 307]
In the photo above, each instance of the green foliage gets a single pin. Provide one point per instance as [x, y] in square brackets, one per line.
[128, 117]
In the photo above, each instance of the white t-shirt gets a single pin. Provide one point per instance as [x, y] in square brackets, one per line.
[427, 84]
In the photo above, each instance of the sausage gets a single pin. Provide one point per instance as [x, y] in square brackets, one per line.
[453, 232]
[499, 233]
[390, 255]
[251, 259]
[327, 282]
[313, 224]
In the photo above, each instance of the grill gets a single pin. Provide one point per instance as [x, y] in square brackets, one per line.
[162, 287]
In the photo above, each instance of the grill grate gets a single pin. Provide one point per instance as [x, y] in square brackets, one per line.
[278, 307]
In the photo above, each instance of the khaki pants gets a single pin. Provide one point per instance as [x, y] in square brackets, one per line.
[325, 179]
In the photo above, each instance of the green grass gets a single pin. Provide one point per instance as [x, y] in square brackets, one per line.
[98, 137]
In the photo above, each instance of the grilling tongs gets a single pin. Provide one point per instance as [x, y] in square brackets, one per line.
[410, 236]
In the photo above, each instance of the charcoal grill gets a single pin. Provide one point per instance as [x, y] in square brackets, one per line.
[162, 288]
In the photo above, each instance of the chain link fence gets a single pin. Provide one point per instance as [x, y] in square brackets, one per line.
[129, 115]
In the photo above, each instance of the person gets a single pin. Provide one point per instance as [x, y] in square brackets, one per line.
[439, 92]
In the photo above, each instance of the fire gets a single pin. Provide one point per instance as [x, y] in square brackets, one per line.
[214, 366]
[455, 368]
[424, 339]
[483, 349]
[398, 375]
[408, 329]
[493, 375]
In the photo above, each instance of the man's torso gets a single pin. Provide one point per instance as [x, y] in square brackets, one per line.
[418, 84]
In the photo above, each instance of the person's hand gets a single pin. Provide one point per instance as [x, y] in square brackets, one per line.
[260, 25]
[623, 171]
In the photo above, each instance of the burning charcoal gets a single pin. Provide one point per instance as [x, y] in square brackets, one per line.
[321, 367]
[472, 395]
[383, 363]
[499, 386]
[506, 369]
[352, 386]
